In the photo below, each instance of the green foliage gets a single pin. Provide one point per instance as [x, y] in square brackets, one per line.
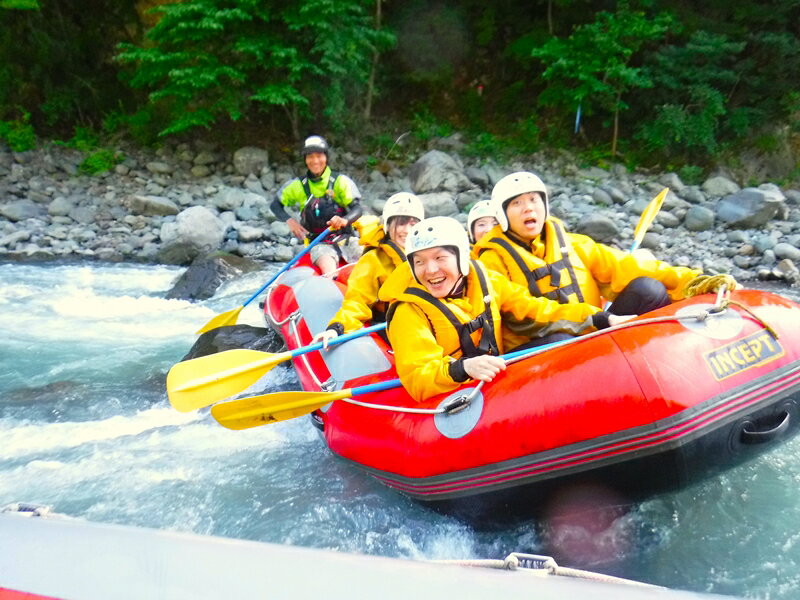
[55, 60]
[426, 126]
[692, 86]
[209, 59]
[691, 174]
[18, 133]
[20, 4]
[100, 161]
[593, 67]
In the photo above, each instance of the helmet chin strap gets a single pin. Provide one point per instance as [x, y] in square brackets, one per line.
[458, 287]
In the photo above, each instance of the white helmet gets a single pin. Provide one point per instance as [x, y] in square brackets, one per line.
[439, 231]
[483, 208]
[512, 186]
[402, 204]
[315, 143]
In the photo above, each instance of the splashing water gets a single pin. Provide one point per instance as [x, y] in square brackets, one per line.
[85, 427]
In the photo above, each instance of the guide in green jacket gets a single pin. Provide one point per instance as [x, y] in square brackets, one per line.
[324, 198]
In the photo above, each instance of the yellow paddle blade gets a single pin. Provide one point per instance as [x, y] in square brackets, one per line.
[649, 215]
[221, 320]
[271, 408]
[200, 382]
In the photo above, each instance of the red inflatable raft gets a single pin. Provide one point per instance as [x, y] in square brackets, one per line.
[678, 394]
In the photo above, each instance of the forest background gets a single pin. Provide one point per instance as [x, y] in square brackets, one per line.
[678, 85]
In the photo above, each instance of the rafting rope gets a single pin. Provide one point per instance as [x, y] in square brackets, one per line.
[718, 309]
[543, 565]
[708, 284]
[722, 284]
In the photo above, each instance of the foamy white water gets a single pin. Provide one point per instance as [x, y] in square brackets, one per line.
[85, 427]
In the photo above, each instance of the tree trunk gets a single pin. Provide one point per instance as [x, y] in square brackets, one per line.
[374, 68]
[616, 127]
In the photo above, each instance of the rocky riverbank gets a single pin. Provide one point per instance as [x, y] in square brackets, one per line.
[180, 203]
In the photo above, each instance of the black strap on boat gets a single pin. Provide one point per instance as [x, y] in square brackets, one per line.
[483, 322]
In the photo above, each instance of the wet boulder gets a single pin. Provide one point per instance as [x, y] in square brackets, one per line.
[204, 276]
[232, 337]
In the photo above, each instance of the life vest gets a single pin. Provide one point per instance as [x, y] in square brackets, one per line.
[454, 335]
[398, 257]
[318, 210]
[555, 276]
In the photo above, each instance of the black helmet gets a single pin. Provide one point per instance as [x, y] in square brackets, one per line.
[315, 143]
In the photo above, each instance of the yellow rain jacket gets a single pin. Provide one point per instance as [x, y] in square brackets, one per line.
[569, 267]
[380, 258]
[426, 341]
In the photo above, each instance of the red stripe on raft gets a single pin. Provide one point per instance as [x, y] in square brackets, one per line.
[670, 434]
[12, 595]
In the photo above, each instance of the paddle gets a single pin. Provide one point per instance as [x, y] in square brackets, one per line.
[245, 413]
[229, 317]
[271, 408]
[647, 218]
[200, 382]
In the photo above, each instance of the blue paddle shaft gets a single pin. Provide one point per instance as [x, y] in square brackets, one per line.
[339, 339]
[375, 387]
[289, 264]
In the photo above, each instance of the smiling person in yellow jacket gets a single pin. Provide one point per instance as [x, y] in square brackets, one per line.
[447, 312]
[383, 254]
[533, 249]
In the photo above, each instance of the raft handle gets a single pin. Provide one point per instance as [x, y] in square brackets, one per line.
[752, 434]
[457, 404]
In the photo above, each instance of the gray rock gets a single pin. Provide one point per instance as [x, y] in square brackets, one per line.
[60, 207]
[245, 233]
[12, 239]
[206, 273]
[672, 181]
[283, 253]
[159, 168]
[667, 219]
[784, 250]
[750, 207]
[152, 205]
[200, 171]
[601, 197]
[83, 214]
[598, 227]
[204, 158]
[194, 232]
[719, 186]
[764, 242]
[692, 194]
[439, 204]
[617, 196]
[738, 237]
[279, 229]
[594, 173]
[478, 176]
[436, 171]
[234, 337]
[792, 196]
[229, 198]
[786, 269]
[698, 218]
[20, 210]
[249, 160]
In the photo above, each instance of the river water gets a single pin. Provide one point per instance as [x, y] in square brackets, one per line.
[85, 428]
